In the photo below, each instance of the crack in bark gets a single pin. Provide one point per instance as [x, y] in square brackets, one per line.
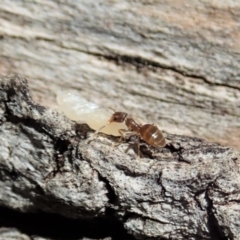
[215, 230]
[53, 226]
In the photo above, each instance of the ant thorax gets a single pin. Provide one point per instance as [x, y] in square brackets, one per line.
[132, 125]
[79, 109]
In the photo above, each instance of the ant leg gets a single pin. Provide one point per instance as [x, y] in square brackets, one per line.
[101, 128]
[109, 121]
[95, 134]
[121, 132]
[138, 146]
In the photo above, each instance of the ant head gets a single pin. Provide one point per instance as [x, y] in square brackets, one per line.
[118, 117]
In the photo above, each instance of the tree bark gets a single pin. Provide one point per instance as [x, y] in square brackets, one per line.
[187, 190]
[11, 233]
[174, 63]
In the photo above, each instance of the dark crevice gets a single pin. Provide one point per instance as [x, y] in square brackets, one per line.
[61, 147]
[141, 63]
[8, 174]
[64, 146]
[111, 193]
[164, 190]
[172, 148]
[198, 193]
[216, 231]
[56, 227]
[113, 204]
[177, 152]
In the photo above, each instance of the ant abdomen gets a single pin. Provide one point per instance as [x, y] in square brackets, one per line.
[152, 135]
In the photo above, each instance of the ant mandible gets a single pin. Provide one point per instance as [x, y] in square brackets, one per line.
[149, 133]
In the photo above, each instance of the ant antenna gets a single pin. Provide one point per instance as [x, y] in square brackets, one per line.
[102, 128]
[112, 109]
[109, 121]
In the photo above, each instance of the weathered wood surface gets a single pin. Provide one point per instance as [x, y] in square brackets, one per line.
[175, 63]
[188, 190]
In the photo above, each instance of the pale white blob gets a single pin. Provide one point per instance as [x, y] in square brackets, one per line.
[79, 109]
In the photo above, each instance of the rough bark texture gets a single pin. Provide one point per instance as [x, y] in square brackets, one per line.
[11, 233]
[14, 234]
[173, 62]
[188, 190]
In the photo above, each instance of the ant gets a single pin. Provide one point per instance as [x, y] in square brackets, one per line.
[149, 133]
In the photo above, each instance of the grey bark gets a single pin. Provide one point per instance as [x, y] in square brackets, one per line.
[174, 63]
[187, 190]
[14, 234]
[11, 233]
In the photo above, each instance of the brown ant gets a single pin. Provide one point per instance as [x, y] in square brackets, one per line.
[149, 133]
